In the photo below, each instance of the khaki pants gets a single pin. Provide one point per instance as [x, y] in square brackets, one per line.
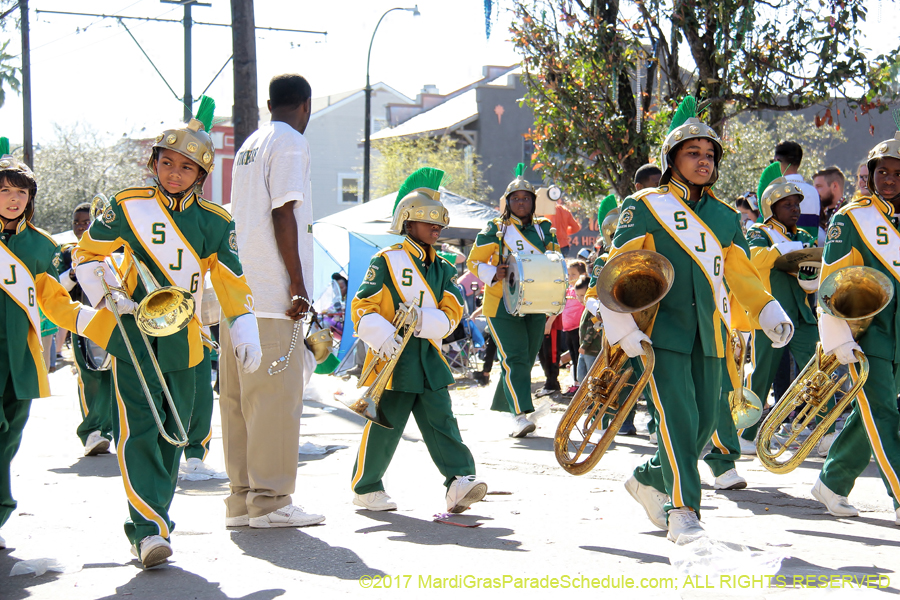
[261, 423]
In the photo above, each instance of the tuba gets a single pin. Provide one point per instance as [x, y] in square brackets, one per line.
[746, 408]
[632, 282]
[855, 295]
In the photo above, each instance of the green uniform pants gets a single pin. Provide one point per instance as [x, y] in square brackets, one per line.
[726, 448]
[686, 390]
[149, 464]
[434, 416]
[518, 341]
[200, 430]
[765, 361]
[871, 428]
[94, 396]
[12, 423]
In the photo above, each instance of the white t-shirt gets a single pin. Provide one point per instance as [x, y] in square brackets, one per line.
[270, 170]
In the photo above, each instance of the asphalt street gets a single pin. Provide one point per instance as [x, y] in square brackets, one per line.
[539, 531]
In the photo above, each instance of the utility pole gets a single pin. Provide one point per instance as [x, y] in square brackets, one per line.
[245, 112]
[188, 98]
[28, 151]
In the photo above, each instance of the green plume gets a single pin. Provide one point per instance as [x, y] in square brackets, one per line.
[4, 146]
[205, 112]
[685, 110]
[771, 173]
[607, 204]
[426, 177]
[520, 170]
[896, 114]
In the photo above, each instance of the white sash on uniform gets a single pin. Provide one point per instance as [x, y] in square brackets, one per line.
[516, 242]
[166, 244]
[404, 271]
[776, 236]
[874, 225]
[17, 281]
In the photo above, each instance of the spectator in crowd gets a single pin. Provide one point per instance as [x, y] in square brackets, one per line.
[647, 176]
[571, 317]
[566, 226]
[829, 182]
[790, 155]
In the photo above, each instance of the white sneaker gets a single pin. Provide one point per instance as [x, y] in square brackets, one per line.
[240, 521]
[653, 439]
[825, 444]
[836, 505]
[522, 426]
[195, 465]
[730, 480]
[684, 522]
[747, 447]
[465, 491]
[3, 542]
[896, 522]
[375, 501]
[651, 499]
[155, 550]
[95, 444]
[286, 516]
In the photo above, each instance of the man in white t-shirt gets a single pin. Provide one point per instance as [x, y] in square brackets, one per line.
[790, 154]
[272, 208]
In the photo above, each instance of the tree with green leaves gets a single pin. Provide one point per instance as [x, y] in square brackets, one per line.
[395, 158]
[603, 75]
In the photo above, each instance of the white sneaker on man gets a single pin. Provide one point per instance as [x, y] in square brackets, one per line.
[836, 505]
[825, 444]
[522, 426]
[653, 439]
[375, 501]
[684, 522]
[197, 466]
[155, 550]
[95, 444]
[463, 492]
[239, 521]
[747, 447]
[651, 499]
[730, 480]
[286, 516]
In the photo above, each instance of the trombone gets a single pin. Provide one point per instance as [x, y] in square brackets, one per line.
[852, 294]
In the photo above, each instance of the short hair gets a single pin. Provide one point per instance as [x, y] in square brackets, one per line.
[864, 163]
[289, 91]
[831, 175]
[582, 283]
[578, 265]
[336, 276]
[83, 207]
[644, 173]
[790, 152]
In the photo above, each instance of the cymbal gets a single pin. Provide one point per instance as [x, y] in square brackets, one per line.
[790, 262]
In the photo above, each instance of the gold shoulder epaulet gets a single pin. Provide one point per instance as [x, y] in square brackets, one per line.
[860, 202]
[134, 193]
[214, 208]
[43, 233]
[640, 194]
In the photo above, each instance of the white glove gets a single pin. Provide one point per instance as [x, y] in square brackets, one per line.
[124, 305]
[785, 247]
[845, 353]
[249, 356]
[776, 324]
[416, 309]
[390, 347]
[631, 343]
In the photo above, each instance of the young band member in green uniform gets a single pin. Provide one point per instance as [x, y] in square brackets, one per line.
[778, 234]
[412, 275]
[702, 237]
[865, 232]
[29, 259]
[518, 338]
[178, 237]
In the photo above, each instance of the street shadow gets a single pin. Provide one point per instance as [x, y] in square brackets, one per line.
[173, 582]
[792, 566]
[639, 557]
[857, 539]
[102, 465]
[644, 448]
[19, 587]
[294, 549]
[204, 487]
[330, 449]
[430, 533]
[533, 442]
[773, 501]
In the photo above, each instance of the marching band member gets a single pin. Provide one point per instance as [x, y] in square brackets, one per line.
[518, 338]
[29, 259]
[411, 274]
[778, 234]
[702, 237]
[178, 237]
[865, 232]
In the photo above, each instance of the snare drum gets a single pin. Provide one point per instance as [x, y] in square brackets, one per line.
[95, 357]
[536, 284]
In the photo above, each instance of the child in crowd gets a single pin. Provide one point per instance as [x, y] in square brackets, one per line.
[571, 317]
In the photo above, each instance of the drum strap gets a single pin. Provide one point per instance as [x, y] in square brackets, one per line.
[516, 242]
[17, 281]
[408, 279]
[874, 225]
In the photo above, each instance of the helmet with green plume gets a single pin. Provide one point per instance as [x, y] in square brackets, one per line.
[419, 199]
[18, 174]
[772, 188]
[608, 218]
[685, 126]
[519, 183]
[191, 140]
[886, 149]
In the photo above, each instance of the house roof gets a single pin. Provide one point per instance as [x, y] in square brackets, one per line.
[326, 104]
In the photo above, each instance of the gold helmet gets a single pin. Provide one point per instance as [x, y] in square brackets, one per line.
[772, 188]
[419, 199]
[191, 140]
[886, 149]
[685, 126]
[519, 183]
[13, 166]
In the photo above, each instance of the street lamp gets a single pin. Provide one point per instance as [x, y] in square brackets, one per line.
[367, 146]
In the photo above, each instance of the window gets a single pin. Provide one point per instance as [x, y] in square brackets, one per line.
[349, 188]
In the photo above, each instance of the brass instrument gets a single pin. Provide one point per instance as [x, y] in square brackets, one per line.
[632, 282]
[855, 295]
[369, 405]
[164, 311]
[746, 407]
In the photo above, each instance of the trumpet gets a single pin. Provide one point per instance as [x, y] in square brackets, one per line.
[746, 407]
[632, 282]
[855, 295]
